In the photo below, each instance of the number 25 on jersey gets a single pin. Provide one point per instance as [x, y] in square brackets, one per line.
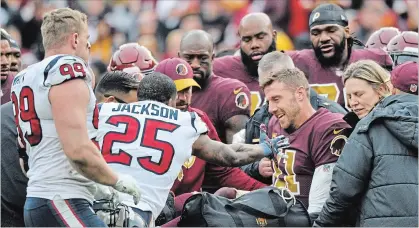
[148, 140]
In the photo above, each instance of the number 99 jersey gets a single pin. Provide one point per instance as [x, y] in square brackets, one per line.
[149, 141]
[50, 173]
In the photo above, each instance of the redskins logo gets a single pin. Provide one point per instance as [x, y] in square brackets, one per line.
[316, 15]
[181, 69]
[337, 144]
[242, 101]
[188, 164]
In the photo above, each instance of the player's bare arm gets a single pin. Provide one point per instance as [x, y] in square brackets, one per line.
[69, 102]
[234, 125]
[231, 155]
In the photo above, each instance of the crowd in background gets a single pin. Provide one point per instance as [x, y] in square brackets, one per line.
[160, 24]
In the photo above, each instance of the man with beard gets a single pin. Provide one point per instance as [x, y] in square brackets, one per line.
[316, 138]
[196, 172]
[225, 100]
[257, 38]
[332, 52]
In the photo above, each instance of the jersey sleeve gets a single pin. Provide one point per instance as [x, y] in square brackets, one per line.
[197, 123]
[235, 100]
[212, 133]
[64, 68]
[329, 145]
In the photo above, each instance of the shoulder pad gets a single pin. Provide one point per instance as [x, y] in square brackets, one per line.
[64, 68]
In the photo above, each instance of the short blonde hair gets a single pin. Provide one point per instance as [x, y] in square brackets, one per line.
[369, 71]
[293, 78]
[58, 24]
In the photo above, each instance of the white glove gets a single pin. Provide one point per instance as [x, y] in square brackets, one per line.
[127, 184]
[104, 192]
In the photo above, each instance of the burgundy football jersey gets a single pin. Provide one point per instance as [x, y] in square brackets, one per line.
[232, 67]
[191, 177]
[328, 81]
[221, 99]
[317, 142]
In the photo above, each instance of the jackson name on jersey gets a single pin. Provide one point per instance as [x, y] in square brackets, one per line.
[50, 172]
[149, 141]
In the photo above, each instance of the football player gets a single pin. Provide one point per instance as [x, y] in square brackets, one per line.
[380, 38]
[193, 172]
[151, 140]
[117, 86]
[257, 37]
[332, 52]
[54, 105]
[268, 65]
[5, 55]
[225, 100]
[6, 81]
[132, 56]
[15, 61]
[316, 138]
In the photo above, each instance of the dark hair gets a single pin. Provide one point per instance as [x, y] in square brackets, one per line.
[156, 87]
[117, 81]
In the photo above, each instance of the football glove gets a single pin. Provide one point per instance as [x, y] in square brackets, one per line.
[274, 145]
[127, 184]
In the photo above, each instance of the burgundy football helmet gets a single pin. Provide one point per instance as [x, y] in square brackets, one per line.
[133, 55]
[381, 37]
[404, 47]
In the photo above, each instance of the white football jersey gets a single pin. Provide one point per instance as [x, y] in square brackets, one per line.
[50, 172]
[149, 141]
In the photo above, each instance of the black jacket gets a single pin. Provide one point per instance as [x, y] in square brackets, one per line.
[262, 115]
[377, 174]
[13, 181]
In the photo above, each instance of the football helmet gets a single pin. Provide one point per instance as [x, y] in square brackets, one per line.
[404, 47]
[381, 37]
[117, 215]
[133, 55]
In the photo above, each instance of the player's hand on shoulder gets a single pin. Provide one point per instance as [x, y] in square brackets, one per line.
[127, 184]
[274, 145]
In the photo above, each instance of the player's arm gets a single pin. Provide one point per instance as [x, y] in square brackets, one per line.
[69, 102]
[235, 154]
[234, 125]
[319, 189]
[350, 178]
[225, 155]
[325, 153]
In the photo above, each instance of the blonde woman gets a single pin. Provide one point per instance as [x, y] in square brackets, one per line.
[376, 177]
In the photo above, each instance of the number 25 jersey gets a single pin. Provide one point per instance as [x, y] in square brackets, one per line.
[149, 141]
[50, 173]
